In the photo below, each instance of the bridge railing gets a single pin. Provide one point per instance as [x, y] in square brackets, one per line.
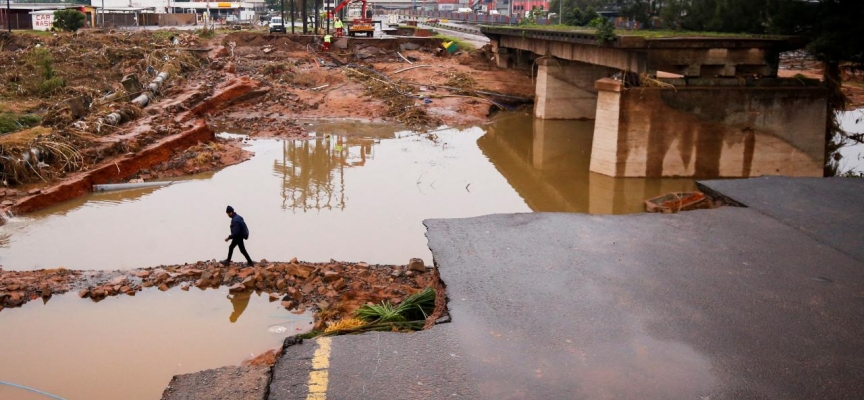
[465, 17]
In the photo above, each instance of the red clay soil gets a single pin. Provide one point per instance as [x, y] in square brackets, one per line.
[260, 85]
[113, 170]
[203, 157]
[340, 288]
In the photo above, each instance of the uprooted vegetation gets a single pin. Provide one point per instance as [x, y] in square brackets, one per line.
[72, 84]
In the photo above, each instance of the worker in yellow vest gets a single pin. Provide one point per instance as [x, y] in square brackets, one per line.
[327, 39]
[338, 25]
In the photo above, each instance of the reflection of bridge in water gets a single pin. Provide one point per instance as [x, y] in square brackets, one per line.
[313, 171]
[547, 162]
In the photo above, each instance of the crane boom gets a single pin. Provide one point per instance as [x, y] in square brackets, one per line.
[347, 2]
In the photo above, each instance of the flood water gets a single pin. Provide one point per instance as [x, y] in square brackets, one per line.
[130, 347]
[356, 192]
[853, 156]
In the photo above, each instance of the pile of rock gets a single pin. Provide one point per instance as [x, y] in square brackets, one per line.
[19, 287]
[338, 287]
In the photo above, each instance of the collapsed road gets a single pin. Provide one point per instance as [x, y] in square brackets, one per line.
[654, 313]
[700, 304]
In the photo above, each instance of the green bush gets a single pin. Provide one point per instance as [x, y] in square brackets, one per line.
[42, 62]
[12, 123]
[68, 20]
[605, 29]
[49, 86]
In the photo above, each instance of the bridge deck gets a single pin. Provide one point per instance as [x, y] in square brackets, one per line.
[650, 39]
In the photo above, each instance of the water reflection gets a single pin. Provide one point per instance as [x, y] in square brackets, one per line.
[239, 301]
[313, 171]
[129, 347]
[368, 188]
[547, 163]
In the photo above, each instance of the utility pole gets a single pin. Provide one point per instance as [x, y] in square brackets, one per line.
[316, 18]
[103, 14]
[282, 5]
[8, 16]
[560, 8]
[293, 16]
[303, 12]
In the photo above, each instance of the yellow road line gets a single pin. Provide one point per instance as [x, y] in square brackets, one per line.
[319, 377]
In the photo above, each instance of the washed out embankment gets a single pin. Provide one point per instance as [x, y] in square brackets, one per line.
[247, 82]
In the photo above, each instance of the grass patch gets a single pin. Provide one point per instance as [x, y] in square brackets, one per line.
[163, 34]
[463, 45]
[12, 123]
[34, 33]
[648, 34]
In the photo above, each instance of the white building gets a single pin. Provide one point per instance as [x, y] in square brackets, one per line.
[241, 9]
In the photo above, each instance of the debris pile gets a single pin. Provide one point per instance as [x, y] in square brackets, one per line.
[336, 289]
[202, 157]
[398, 98]
[19, 287]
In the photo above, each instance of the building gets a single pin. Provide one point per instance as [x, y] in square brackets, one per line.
[38, 16]
[521, 7]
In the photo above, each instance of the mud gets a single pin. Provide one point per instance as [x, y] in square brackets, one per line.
[253, 83]
[335, 289]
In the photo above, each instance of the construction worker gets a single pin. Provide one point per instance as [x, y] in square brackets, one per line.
[327, 39]
[338, 25]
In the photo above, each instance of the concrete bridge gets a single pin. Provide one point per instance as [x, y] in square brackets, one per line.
[701, 107]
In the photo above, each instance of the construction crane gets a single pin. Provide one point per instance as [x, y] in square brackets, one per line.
[357, 25]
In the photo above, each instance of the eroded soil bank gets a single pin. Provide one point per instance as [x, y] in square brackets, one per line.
[74, 125]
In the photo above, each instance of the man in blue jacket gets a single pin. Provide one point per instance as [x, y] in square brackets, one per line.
[239, 233]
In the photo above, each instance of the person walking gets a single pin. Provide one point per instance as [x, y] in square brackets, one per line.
[239, 233]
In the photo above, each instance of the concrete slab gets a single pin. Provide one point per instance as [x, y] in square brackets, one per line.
[226, 383]
[378, 365]
[830, 210]
[719, 304]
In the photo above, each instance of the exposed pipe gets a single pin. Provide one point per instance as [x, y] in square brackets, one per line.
[126, 186]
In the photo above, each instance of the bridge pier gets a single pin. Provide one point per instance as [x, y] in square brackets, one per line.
[709, 131]
[566, 89]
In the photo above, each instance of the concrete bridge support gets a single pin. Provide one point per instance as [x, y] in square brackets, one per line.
[566, 89]
[708, 131]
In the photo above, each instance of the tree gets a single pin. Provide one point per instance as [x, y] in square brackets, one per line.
[68, 20]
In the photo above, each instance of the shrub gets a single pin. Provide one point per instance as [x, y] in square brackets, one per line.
[605, 29]
[68, 20]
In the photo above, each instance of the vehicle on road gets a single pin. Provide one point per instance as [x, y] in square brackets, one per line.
[432, 21]
[232, 19]
[358, 26]
[276, 25]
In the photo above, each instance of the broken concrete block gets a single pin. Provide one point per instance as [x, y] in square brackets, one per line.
[416, 264]
[409, 46]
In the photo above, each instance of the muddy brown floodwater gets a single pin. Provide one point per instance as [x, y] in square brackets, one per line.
[130, 347]
[354, 192]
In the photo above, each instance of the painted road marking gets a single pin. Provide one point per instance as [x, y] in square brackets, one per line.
[319, 377]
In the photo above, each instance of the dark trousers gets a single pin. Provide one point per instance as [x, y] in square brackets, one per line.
[239, 243]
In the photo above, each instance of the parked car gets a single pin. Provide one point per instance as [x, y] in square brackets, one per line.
[276, 25]
[232, 19]
[432, 21]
